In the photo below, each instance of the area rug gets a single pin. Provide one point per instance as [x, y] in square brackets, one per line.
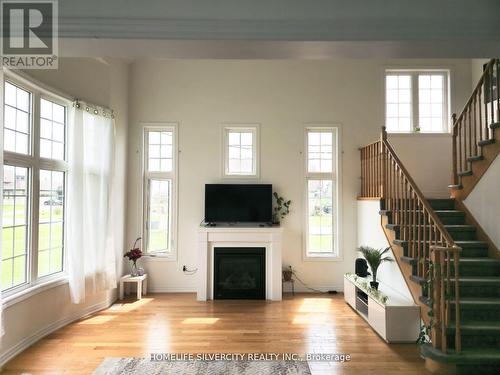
[140, 366]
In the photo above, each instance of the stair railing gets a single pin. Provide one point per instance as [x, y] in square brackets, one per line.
[472, 126]
[384, 176]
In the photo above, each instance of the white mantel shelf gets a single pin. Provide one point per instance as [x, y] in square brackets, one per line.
[239, 236]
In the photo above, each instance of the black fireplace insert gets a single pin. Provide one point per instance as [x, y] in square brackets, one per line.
[239, 273]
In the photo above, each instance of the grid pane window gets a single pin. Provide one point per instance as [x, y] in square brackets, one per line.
[321, 160]
[430, 102]
[240, 152]
[320, 157]
[160, 151]
[159, 191]
[417, 101]
[32, 242]
[159, 213]
[15, 226]
[399, 102]
[52, 130]
[51, 222]
[320, 218]
[17, 119]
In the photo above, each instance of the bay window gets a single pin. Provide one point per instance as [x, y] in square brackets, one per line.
[34, 173]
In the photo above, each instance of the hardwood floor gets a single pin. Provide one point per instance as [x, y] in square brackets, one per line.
[167, 323]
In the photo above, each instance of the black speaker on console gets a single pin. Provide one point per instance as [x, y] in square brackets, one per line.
[361, 268]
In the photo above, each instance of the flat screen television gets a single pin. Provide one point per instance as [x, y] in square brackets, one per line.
[238, 203]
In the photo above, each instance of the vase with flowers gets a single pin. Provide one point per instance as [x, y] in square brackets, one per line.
[134, 255]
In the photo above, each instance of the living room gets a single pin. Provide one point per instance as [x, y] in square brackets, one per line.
[151, 124]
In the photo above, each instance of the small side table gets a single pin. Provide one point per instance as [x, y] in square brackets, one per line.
[141, 281]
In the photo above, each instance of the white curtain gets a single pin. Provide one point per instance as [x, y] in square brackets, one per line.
[91, 256]
[1, 195]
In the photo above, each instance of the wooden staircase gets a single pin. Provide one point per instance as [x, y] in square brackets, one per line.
[450, 265]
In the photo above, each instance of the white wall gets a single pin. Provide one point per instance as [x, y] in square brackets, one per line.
[484, 204]
[370, 233]
[282, 96]
[104, 83]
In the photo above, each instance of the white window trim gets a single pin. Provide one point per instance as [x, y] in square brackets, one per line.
[172, 255]
[250, 127]
[34, 284]
[337, 254]
[415, 72]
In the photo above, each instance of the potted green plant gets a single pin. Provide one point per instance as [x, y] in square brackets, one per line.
[281, 208]
[374, 258]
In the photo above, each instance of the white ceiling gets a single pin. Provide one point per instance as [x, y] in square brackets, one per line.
[279, 28]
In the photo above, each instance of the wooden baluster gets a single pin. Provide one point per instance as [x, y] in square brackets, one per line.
[414, 227]
[442, 305]
[403, 209]
[363, 171]
[454, 177]
[498, 88]
[459, 129]
[458, 335]
[474, 125]
[486, 129]
[480, 116]
[420, 228]
[469, 123]
[492, 101]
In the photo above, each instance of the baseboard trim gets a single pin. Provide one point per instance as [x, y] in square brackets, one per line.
[171, 289]
[26, 342]
[299, 288]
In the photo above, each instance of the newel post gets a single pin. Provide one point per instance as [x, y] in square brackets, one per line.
[383, 164]
[454, 177]
[436, 332]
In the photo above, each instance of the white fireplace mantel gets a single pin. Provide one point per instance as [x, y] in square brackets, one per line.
[233, 236]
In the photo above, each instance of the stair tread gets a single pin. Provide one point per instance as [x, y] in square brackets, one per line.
[458, 242]
[464, 279]
[486, 142]
[478, 326]
[478, 301]
[479, 356]
[464, 227]
[491, 261]
[486, 279]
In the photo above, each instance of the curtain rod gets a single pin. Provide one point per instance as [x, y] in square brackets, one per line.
[96, 109]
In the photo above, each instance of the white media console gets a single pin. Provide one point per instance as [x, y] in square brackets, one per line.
[397, 320]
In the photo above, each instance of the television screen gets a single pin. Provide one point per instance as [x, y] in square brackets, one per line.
[236, 203]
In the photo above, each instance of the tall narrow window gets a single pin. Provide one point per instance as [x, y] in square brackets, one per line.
[416, 101]
[241, 151]
[321, 188]
[34, 186]
[159, 190]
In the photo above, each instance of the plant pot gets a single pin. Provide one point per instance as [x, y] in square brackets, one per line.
[374, 284]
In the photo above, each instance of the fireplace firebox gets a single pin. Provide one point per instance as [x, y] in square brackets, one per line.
[239, 273]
